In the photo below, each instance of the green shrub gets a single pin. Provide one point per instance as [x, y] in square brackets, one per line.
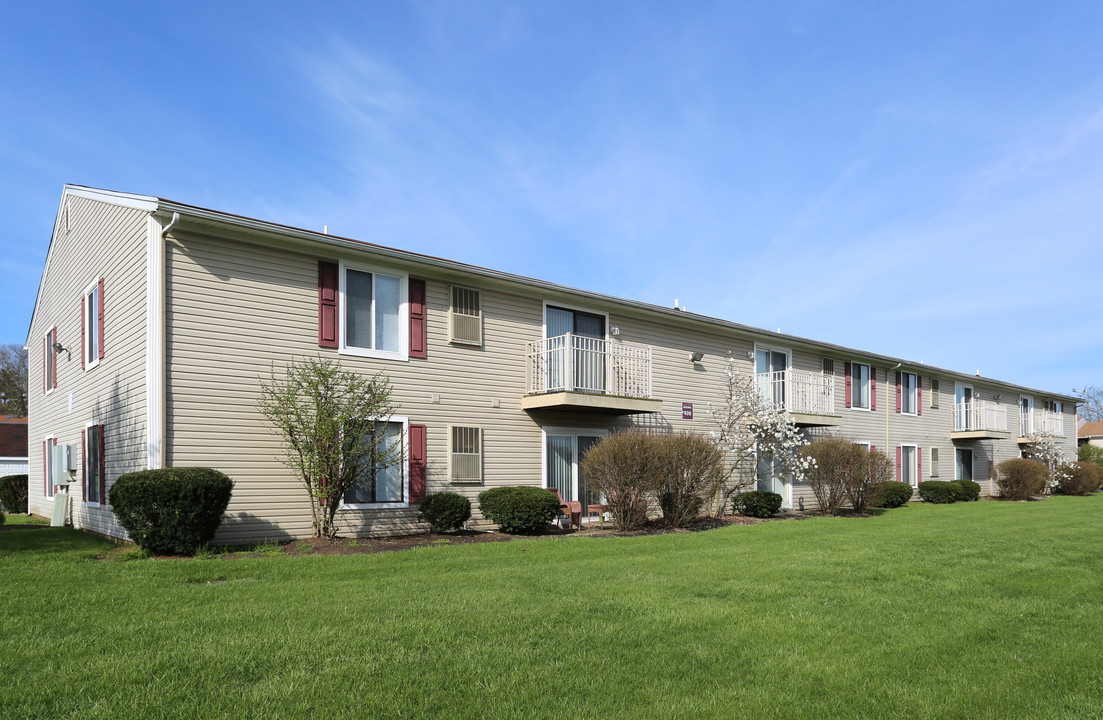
[519, 509]
[891, 494]
[444, 511]
[939, 491]
[1091, 453]
[2, 518]
[13, 493]
[757, 504]
[1021, 479]
[1078, 478]
[970, 491]
[171, 511]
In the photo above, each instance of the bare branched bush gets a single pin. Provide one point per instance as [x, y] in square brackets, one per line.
[860, 486]
[692, 471]
[626, 469]
[840, 468]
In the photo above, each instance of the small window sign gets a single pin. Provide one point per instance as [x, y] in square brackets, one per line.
[687, 411]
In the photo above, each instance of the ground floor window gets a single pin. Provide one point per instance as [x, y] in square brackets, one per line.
[48, 466]
[93, 464]
[382, 485]
[963, 464]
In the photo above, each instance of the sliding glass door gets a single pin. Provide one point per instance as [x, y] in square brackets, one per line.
[564, 450]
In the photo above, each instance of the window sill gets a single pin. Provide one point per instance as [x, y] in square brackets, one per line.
[373, 506]
[378, 354]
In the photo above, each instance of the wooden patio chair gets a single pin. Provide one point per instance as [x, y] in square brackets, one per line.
[572, 509]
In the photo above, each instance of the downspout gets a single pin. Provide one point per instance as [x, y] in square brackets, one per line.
[887, 404]
[155, 344]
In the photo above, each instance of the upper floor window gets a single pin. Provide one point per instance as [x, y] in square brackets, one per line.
[91, 325]
[934, 393]
[49, 360]
[908, 400]
[375, 313]
[858, 381]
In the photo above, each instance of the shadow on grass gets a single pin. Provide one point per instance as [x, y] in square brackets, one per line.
[51, 540]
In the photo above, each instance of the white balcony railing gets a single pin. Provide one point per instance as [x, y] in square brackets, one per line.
[590, 365]
[798, 391]
[979, 415]
[1041, 421]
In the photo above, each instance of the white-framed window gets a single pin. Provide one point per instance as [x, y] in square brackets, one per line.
[963, 464]
[93, 464]
[465, 461]
[859, 386]
[909, 465]
[934, 462]
[49, 365]
[465, 316]
[375, 312]
[908, 401]
[48, 445]
[934, 393]
[92, 331]
[383, 487]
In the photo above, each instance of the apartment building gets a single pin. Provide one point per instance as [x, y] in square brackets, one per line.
[155, 322]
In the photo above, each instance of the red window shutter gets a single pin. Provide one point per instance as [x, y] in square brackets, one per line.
[846, 367]
[898, 391]
[83, 314]
[328, 319]
[872, 448]
[418, 329]
[84, 464]
[899, 475]
[919, 394]
[417, 462]
[99, 321]
[103, 468]
[918, 465]
[873, 387]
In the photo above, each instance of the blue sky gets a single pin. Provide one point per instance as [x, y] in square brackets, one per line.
[921, 180]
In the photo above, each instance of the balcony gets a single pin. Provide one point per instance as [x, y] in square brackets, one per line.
[1043, 422]
[583, 374]
[809, 397]
[979, 420]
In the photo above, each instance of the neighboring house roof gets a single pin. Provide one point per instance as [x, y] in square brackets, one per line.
[13, 436]
[170, 208]
[1091, 430]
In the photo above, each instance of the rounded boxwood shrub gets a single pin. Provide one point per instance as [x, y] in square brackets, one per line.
[759, 504]
[444, 511]
[1021, 479]
[970, 491]
[891, 494]
[939, 491]
[519, 509]
[13, 493]
[1078, 478]
[171, 511]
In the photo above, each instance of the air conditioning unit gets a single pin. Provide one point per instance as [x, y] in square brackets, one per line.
[62, 457]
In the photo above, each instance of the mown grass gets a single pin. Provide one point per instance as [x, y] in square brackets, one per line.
[980, 610]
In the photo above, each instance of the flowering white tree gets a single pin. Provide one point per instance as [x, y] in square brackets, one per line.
[1044, 448]
[752, 429]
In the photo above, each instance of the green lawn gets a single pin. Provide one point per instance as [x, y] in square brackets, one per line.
[980, 610]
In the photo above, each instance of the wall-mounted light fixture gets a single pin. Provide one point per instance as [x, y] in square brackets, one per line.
[614, 330]
[58, 348]
[998, 396]
[696, 356]
[750, 354]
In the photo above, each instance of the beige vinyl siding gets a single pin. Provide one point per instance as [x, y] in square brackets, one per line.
[108, 241]
[229, 318]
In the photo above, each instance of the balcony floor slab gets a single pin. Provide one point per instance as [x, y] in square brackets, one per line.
[591, 403]
[979, 435]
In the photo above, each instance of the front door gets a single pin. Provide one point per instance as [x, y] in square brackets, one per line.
[564, 451]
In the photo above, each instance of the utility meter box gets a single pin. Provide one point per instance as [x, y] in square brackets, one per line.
[62, 457]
